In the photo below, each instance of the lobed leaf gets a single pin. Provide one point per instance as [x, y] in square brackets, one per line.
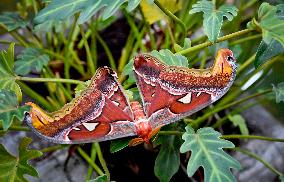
[8, 77]
[63, 9]
[12, 21]
[271, 22]
[206, 151]
[213, 17]
[29, 59]
[9, 109]
[14, 168]
[279, 92]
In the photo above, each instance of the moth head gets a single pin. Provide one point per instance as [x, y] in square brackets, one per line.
[225, 62]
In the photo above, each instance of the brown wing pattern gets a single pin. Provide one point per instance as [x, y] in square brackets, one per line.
[102, 112]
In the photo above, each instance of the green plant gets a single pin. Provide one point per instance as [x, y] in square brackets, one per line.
[61, 42]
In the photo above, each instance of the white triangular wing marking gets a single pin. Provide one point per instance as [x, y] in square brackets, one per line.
[186, 99]
[90, 126]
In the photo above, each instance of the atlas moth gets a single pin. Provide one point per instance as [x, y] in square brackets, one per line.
[103, 111]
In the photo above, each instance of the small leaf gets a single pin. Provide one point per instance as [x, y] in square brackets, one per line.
[186, 45]
[279, 92]
[9, 108]
[206, 151]
[30, 59]
[102, 178]
[169, 58]
[80, 87]
[14, 168]
[213, 17]
[8, 77]
[281, 178]
[153, 13]
[60, 10]
[265, 51]
[271, 23]
[12, 21]
[240, 122]
[168, 161]
[119, 144]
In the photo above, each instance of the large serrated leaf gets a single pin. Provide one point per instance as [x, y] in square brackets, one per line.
[63, 9]
[12, 21]
[119, 144]
[9, 108]
[13, 168]
[8, 77]
[212, 17]
[30, 59]
[206, 151]
[153, 13]
[271, 23]
[279, 92]
[265, 51]
[168, 161]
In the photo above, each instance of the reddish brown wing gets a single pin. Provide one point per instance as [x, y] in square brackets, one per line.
[171, 93]
[102, 112]
[147, 70]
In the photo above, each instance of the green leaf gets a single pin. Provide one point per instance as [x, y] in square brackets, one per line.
[169, 58]
[29, 59]
[213, 17]
[80, 87]
[14, 168]
[8, 77]
[271, 23]
[102, 178]
[279, 92]
[9, 108]
[206, 151]
[119, 144]
[168, 161]
[281, 178]
[48, 26]
[12, 21]
[240, 122]
[186, 45]
[265, 51]
[63, 9]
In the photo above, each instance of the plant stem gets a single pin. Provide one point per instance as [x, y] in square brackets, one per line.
[170, 133]
[107, 50]
[221, 39]
[88, 51]
[16, 128]
[31, 93]
[246, 63]
[173, 17]
[62, 80]
[102, 160]
[53, 148]
[245, 39]
[93, 158]
[89, 160]
[248, 153]
[252, 137]
[199, 120]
